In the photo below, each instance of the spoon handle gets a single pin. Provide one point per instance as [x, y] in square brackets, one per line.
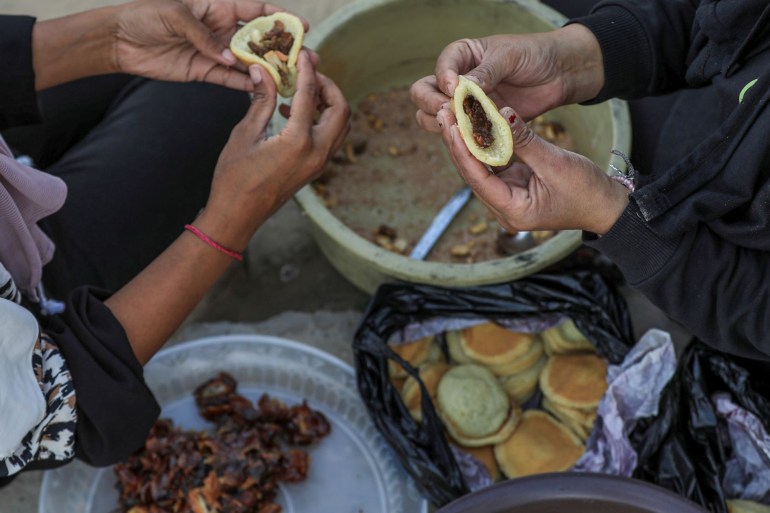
[440, 223]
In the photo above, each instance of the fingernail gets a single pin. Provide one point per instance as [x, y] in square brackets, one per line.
[444, 106]
[509, 115]
[452, 130]
[228, 56]
[255, 74]
[473, 78]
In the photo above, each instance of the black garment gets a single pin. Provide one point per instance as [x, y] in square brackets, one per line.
[696, 235]
[18, 101]
[137, 157]
[648, 115]
[115, 408]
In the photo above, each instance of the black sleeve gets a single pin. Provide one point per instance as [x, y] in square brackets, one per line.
[645, 44]
[18, 98]
[115, 407]
[719, 291]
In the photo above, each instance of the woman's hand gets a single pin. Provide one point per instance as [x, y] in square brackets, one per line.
[257, 174]
[176, 40]
[185, 40]
[533, 73]
[548, 189]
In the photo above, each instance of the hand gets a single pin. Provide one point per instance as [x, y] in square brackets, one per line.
[549, 189]
[185, 40]
[256, 174]
[532, 73]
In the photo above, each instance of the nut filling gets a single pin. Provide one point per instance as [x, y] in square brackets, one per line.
[274, 46]
[482, 127]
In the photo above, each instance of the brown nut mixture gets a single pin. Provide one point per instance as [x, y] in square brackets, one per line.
[275, 47]
[482, 126]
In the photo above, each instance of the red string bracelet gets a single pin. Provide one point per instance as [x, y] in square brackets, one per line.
[205, 238]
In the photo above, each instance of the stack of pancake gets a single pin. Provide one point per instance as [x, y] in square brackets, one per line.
[565, 339]
[411, 394]
[491, 372]
[515, 358]
[416, 353]
[539, 444]
[572, 386]
[424, 355]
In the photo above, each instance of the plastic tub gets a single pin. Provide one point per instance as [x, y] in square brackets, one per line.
[371, 45]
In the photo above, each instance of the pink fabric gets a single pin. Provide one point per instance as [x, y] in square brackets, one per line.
[26, 196]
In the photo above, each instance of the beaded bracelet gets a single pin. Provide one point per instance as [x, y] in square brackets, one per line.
[627, 178]
[205, 238]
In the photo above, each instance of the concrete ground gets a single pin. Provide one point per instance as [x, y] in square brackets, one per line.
[287, 288]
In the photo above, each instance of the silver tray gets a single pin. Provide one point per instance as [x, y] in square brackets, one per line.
[353, 470]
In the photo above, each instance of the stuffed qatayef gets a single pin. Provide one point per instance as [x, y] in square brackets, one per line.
[273, 42]
[485, 131]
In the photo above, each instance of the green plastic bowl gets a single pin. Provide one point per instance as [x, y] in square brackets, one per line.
[372, 45]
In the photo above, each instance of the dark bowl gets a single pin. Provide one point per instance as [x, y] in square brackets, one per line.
[572, 492]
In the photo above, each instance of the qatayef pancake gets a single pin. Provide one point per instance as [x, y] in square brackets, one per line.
[430, 374]
[490, 344]
[581, 422]
[486, 455]
[485, 131]
[576, 380]
[502, 351]
[475, 409]
[416, 353]
[498, 436]
[274, 43]
[744, 506]
[523, 385]
[539, 444]
[565, 338]
[524, 362]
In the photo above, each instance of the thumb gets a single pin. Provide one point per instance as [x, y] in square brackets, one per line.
[202, 38]
[262, 103]
[529, 147]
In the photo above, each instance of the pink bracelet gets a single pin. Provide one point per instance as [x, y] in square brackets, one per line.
[205, 238]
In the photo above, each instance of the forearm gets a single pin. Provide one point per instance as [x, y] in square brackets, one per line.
[581, 61]
[154, 304]
[720, 292]
[73, 47]
[644, 45]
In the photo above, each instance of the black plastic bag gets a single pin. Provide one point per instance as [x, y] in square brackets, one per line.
[592, 302]
[681, 449]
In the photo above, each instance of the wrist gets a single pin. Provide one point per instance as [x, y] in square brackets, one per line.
[582, 62]
[72, 47]
[613, 201]
[226, 230]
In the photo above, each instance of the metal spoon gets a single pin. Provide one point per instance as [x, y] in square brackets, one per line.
[509, 244]
[440, 223]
